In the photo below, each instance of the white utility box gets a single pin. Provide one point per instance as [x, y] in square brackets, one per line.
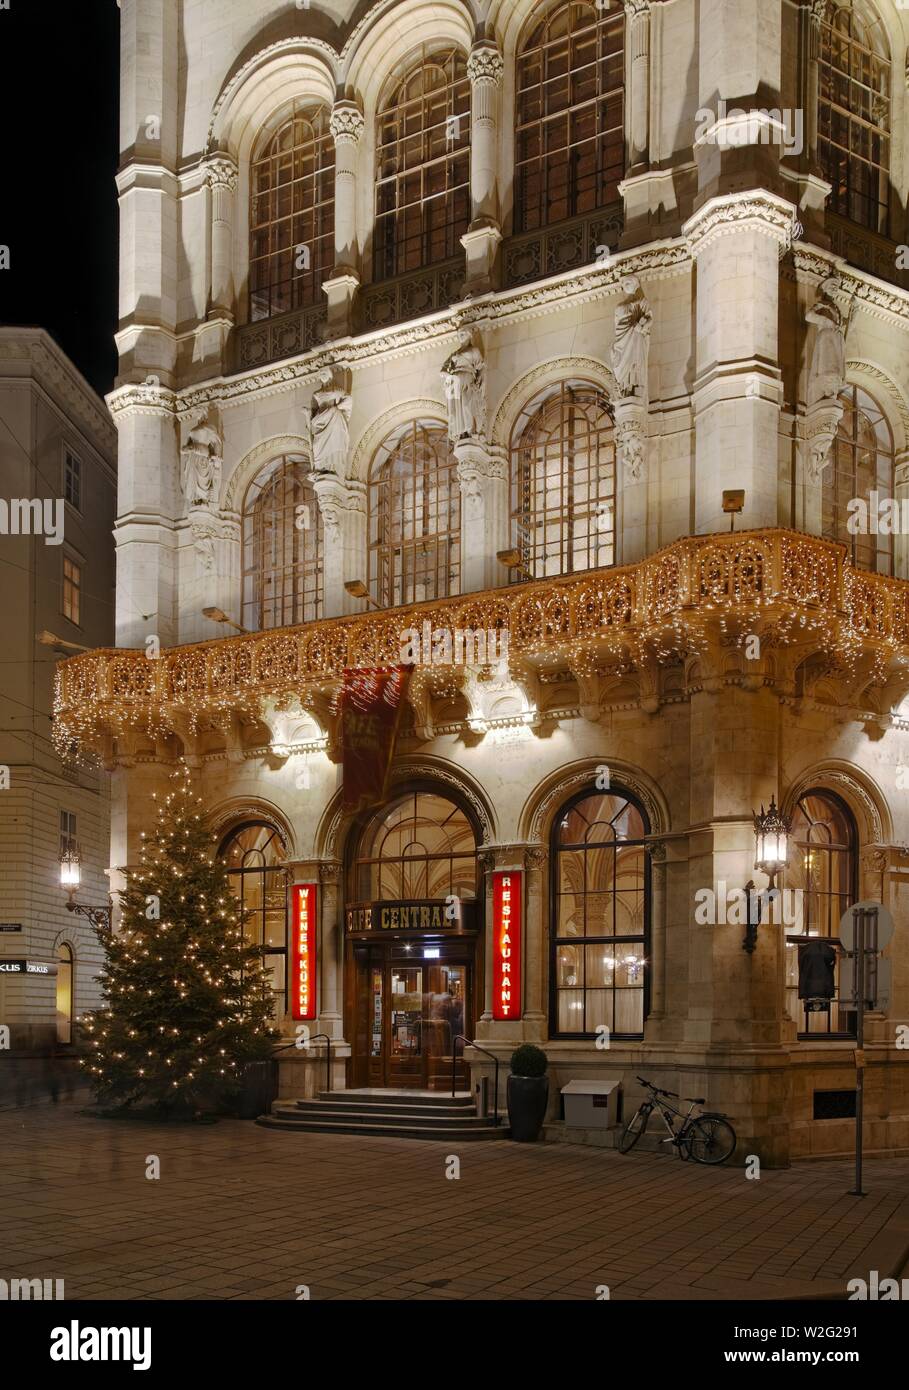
[592, 1104]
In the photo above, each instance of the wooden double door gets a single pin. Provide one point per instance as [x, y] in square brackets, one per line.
[410, 1002]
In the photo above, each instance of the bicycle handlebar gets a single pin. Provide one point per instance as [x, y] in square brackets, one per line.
[658, 1090]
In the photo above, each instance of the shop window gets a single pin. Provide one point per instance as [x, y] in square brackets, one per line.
[563, 482]
[569, 114]
[414, 517]
[292, 215]
[253, 855]
[282, 548]
[423, 166]
[861, 462]
[823, 866]
[600, 927]
[65, 993]
[853, 136]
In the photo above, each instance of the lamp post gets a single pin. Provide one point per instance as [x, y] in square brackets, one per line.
[98, 914]
[771, 856]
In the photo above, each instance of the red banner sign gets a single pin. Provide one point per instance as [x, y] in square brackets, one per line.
[370, 707]
[303, 951]
[506, 944]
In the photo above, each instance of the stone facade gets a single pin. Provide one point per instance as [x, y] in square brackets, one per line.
[724, 228]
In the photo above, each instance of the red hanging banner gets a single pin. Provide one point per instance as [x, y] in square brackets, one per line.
[506, 944]
[304, 923]
[370, 704]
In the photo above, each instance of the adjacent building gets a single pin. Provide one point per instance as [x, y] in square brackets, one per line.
[488, 319]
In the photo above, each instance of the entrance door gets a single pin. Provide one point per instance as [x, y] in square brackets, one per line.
[409, 1013]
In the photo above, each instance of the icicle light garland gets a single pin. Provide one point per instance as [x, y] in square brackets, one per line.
[799, 588]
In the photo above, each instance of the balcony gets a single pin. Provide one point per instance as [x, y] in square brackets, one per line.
[699, 595]
[551, 250]
[269, 340]
[866, 250]
[410, 296]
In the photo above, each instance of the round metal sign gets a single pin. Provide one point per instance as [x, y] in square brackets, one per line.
[884, 927]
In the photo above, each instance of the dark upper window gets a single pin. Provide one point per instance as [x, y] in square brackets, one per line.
[853, 136]
[292, 215]
[72, 479]
[861, 462]
[569, 114]
[423, 165]
[282, 548]
[600, 928]
[414, 516]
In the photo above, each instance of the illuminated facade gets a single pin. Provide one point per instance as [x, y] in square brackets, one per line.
[480, 309]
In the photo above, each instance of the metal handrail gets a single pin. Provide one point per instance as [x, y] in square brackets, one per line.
[459, 1037]
[315, 1038]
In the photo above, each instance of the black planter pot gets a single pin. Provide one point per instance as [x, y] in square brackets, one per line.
[527, 1097]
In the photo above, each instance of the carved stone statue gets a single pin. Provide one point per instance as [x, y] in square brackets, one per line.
[330, 427]
[464, 384]
[827, 367]
[201, 462]
[631, 345]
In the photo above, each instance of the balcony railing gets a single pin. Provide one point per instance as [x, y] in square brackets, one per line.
[866, 250]
[257, 344]
[549, 251]
[800, 585]
[408, 296]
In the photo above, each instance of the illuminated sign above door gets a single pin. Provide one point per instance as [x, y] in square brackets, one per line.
[433, 915]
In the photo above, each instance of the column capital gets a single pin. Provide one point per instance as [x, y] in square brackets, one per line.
[635, 8]
[346, 122]
[485, 63]
[221, 172]
[753, 209]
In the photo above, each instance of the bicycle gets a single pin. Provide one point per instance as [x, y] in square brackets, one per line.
[707, 1138]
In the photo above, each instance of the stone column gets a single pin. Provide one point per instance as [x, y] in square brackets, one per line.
[821, 424]
[637, 83]
[481, 240]
[302, 1070]
[331, 972]
[901, 493]
[342, 504]
[346, 126]
[631, 485]
[657, 962]
[507, 1033]
[536, 860]
[221, 177]
[483, 477]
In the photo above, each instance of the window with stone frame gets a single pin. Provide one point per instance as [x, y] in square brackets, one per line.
[292, 214]
[414, 516]
[860, 463]
[253, 855]
[282, 547]
[563, 481]
[600, 923]
[853, 113]
[569, 113]
[422, 165]
[823, 870]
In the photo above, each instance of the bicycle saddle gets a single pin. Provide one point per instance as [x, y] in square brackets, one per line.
[698, 1100]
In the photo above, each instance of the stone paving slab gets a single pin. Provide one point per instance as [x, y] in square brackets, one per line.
[242, 1212]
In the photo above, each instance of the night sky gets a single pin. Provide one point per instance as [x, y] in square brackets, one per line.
[58, 201]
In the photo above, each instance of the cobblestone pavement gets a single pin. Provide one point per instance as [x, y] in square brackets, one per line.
[248, 1213]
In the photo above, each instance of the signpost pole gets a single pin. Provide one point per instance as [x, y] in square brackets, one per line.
[859, 917]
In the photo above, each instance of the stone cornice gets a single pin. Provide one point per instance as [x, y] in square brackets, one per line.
[754, 208]
[882, 301]
[52, 369]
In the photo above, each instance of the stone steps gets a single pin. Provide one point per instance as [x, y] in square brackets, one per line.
[389, 1114]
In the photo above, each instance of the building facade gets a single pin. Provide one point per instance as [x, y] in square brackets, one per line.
[57, 507]
[463, 320]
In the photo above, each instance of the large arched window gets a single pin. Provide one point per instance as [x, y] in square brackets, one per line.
[414, 516]
[569, 114]
[282, 547]
[853, 137]
[861, 462]
[252, 855]
[65, 993]
[292, 214]
[423, 165]
[823, 868]
[600, 917]
[421, 847]
[563, 481]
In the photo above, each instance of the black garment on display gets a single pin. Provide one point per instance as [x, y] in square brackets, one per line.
[817, 961]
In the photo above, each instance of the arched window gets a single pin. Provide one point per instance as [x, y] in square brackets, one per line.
[569, 114]
[421, 847]
[861, 462]
[853, 137]
[252, 855]
[563, 481]
[282, 547]
[823, 867]
[414, 517]
[292, 214]
[65, 993]
[423, 165]
[600, 917]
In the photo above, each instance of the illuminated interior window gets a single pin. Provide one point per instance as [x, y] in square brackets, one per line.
[853, 136]
[282, 548]
[414, 516]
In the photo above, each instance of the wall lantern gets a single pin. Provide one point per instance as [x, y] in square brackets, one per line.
[771, 856]
[70, 868]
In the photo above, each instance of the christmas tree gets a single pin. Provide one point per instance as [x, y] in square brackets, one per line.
[188, 1002]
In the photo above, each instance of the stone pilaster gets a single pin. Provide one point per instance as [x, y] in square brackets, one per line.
[482, 238]
[483, 477]
[347, 127]
[631, 459]
[342, 504]
[901, 493]
[302, 1070]
[637, 83]
[657, 962]
[536, 862]
[221, 177]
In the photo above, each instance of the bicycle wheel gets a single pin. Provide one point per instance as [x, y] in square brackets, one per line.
[635, 1127]
[710, 1139]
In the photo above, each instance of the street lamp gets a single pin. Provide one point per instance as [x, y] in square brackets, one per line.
[98, 914]
[357, 589]
[217, 615]
[771, 856]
